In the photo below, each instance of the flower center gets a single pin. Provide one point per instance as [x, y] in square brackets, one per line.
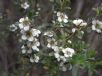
[62, 16]
[26, 22]
[28, 33]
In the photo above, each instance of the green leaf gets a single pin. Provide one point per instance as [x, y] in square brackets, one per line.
[91, 53]
[78, 59]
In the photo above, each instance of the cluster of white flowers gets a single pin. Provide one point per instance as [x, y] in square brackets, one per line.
[34, 59]
[63, 53]
[97, 26]
[62, 17]
[24, 24]
[78, 23]
[29, 37]
[60, 53]
[51, 41]
[31, 43]
[68, 52]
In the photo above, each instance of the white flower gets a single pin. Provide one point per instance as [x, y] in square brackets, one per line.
[36, 32]
[59, 57]
[56, 55]
[35, 44]
[68, 52]
[63, 58]
[31, 38]
[79, 22]
[49, 45]
[13, 27]
[21, 26]
[24, 20]
[24, 24]
[51, 42]
[55, 48]
[69, 41]
[49, 34]
[23, 49]
[82, 32]
[26, 28]
[27, 36]
[34, 59]
[30, 35]
[83, 24]
[74, 29]
[25, 5]
[24, 37]
[62, 17]
[35, 48]
[97, 26]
